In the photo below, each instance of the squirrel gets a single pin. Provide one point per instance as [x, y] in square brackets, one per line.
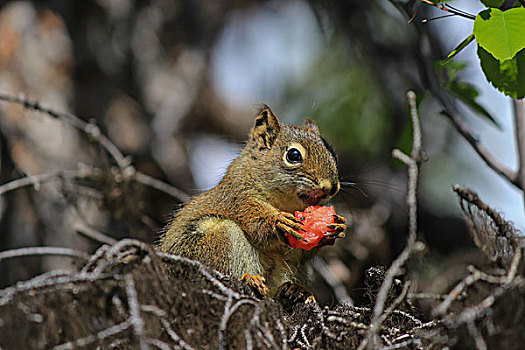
[239, 226]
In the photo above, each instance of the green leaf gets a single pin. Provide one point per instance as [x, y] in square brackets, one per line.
[467, 93]
[507, 76]
[501, 33]
[493, 3]
[458, 48]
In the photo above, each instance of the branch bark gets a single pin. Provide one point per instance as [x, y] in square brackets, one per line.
[412, 162]
[519, 127]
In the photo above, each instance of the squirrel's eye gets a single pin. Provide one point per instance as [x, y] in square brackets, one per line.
[293, 155]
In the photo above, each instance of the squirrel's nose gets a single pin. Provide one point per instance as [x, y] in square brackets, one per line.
[329, 187]
[334, 189]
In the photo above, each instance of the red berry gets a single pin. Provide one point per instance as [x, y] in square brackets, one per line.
[314, 219]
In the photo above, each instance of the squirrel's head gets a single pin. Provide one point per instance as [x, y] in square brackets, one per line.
[296, 164]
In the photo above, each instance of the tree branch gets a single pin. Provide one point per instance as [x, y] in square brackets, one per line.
[412, 246]
[451, 9]
[94, 235]
[90, 129]
[161, 186]
[480, 148]
[35, 180]
[126, 168]
[519, 124]
[34, 251]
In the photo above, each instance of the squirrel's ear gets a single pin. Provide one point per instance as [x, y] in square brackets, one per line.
[266, 127]
[310, 125]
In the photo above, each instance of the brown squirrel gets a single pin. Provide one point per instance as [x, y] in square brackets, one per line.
[239, 226]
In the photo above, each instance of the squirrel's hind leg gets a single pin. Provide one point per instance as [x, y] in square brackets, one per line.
[290, 294]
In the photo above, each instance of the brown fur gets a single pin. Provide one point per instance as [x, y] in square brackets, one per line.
[233, 227]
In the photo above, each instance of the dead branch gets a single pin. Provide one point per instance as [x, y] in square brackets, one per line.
[127, 171]
[91, 129]
[477, 275]
[519, 127]
[449, 8]
[336, 284]
[161, 186]
[94, 235]
[123, 296]
[412, 246]
[492, 234]
[36, 180]
[41, 251]
[477, 145]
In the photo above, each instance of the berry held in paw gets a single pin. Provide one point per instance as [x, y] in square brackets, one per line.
[317, 222]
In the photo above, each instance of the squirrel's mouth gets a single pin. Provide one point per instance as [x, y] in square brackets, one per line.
[313, 198]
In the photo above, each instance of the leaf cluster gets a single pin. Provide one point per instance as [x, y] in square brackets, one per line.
[500, 38]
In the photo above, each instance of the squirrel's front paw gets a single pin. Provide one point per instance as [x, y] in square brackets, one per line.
[257, 284]
[335, 230]
[289, 224]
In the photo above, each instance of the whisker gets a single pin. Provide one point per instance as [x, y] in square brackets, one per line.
[375, 183]
[353, 185]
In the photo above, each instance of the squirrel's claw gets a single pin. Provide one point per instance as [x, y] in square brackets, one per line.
[289, 224]
[339, 219]
[336, 228]
[257, 284]
[289, 294]
[292, 218]
[335, 231]
[291, 231]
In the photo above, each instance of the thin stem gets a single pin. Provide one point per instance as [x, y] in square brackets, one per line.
[412, 245]
[34, 251]
[96, 136]
[161, 186]
[479, 147]
[448, 8]
[519, 121]
[35, 180]
[94, 235]
[90, 129]
[435, 18]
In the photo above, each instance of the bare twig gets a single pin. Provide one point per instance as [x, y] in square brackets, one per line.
[477, 275]
[473, 198]
[35, 180]
[519, 121]
[95, 135]
[476, 334]
[426, 296]
[134, 311]
[412, 245]
[34, 251]
[335, 283]
[106, 333]
[161, 186]
[90, 129]
[451, 9]
[163, 316]
[478, 146]
[395, 303]
[94, 235]
[402, 345]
